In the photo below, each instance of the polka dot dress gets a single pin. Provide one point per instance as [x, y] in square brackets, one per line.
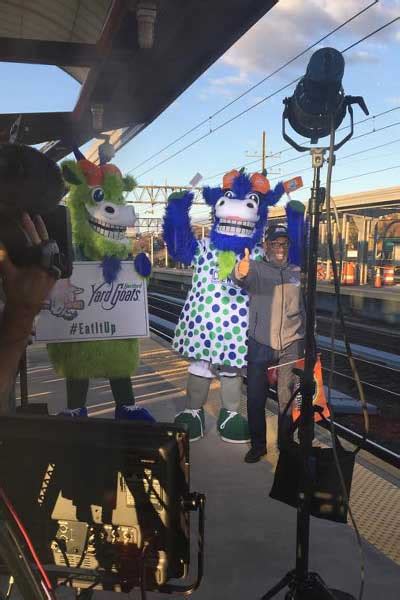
[214, 320]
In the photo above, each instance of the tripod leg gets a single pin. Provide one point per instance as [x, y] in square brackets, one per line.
[285, 581]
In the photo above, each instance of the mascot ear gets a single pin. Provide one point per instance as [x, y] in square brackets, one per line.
[129, 183]
[72, 173]
[211, 195]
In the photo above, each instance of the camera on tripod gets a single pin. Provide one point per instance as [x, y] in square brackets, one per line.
[32, 183]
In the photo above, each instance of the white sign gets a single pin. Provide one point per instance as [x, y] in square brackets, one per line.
[85, 307]
[196, 179]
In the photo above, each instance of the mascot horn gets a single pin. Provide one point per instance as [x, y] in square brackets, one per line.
[99, 219]
[212, 328]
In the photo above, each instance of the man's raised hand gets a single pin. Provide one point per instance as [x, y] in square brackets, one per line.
[243, 266]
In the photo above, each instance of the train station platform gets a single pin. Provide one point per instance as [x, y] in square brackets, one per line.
[250, 538]
[364, 303]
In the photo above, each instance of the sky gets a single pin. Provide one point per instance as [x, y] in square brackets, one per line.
[372, 70]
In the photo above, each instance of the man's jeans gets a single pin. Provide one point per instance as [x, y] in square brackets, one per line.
[261, 357]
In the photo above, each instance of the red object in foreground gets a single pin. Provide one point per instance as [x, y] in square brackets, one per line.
[44, 580]
[319, 396]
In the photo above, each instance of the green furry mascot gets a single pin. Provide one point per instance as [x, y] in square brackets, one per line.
[99, 219]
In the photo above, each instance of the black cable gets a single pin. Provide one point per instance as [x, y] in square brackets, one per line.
[338, 309]
[245, 111]
[253, 87]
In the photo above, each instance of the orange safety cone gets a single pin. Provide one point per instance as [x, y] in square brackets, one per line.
[319, 399]
[377, 280]
[350, 277]
[388, 275]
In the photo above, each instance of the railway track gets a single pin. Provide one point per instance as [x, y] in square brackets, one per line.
[380, 381]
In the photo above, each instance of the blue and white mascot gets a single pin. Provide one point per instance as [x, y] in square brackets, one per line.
[212, 328]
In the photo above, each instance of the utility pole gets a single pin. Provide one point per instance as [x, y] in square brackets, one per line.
[264, 156]
[263, 152]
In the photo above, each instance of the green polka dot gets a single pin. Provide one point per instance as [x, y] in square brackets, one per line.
[226, 362]
[207, 315]
[236, 330]
[240, 299]
[186, 342]
[206, 352]
[225, 300]
[218, 344]
[242, 349]
[200, 307]
[228, 335]
[225, 312]
[195, 278]
[193, 313]
[212, 335]
[218, 319]
[239, 338]
[198, 356]
[204, 279]
[209, 300]
[206, 268]
[214, 353]
[211, 287]
[197, 344]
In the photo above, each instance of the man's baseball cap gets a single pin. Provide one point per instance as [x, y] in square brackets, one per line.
[276, 231]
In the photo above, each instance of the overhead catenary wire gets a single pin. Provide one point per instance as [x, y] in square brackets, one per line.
[288, 149]
[298, 172]
[255, 105]
[252, 88]
[351, 155]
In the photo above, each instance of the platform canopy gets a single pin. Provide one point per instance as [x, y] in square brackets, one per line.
[101, 44]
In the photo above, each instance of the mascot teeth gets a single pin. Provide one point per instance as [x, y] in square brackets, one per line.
[236, 227]
[113, 232]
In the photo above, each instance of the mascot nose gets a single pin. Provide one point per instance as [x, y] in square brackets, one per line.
[110, 210]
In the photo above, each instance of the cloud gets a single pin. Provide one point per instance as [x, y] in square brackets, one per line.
[292, 25]
[393, 100]
[361, 56]
[224, 86]
[240, 79]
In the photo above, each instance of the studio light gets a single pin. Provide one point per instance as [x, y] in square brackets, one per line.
[319, 97]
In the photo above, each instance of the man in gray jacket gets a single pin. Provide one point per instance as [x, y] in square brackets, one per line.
[276, 333]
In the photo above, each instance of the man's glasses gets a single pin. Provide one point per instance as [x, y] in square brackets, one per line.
[276, 245]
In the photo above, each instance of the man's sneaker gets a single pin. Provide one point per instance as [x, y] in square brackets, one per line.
[74, 412]
[254, 455]
[232, 427]
[130, 412]
[195, 421]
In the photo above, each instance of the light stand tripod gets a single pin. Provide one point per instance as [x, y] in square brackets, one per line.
[315, 110]
[302, 584]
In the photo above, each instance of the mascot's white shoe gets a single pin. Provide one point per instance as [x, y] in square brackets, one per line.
[195, 421]
[232, 427]
[74, 412]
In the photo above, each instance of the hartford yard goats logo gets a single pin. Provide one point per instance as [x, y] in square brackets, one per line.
[63, 301]
[109, 295]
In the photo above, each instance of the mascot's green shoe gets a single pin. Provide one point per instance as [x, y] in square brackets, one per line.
[194, 419]
[232, 427]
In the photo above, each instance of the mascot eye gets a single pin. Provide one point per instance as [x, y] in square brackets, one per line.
[98, 194]
[254, 197]
[229, 194]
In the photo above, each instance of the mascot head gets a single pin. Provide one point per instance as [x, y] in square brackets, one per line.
[98, 211]
[240, 210]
